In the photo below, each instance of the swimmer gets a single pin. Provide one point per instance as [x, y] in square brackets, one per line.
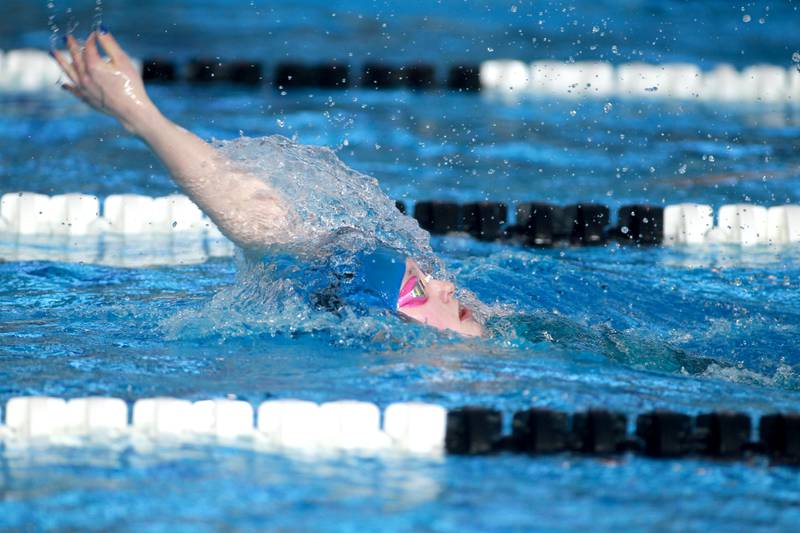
[247, 210]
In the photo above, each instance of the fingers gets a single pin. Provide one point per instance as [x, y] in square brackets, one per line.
[91, 56]
[65, 65]
[112, 49]
[74, 90]
[77, 57]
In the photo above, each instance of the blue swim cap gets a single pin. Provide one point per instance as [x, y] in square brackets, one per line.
[378, 275]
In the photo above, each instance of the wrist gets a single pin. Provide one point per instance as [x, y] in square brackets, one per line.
[144, 121]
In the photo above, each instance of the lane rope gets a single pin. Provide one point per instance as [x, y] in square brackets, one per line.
[406, 427]
[137, 230]
[31, 70]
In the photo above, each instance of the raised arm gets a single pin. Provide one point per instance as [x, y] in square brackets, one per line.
[247, 210]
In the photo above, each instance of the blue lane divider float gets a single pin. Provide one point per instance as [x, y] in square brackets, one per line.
[29, 70]
[138, 230]
[410, 427]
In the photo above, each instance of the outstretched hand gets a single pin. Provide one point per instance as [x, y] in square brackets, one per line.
[112, 86]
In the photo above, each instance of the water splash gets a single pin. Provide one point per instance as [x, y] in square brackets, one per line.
[52, 25]
[287, 289]
[329, 198]
[56, 28]
[97, 18]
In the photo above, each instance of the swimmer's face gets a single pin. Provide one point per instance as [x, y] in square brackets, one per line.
[432, 302]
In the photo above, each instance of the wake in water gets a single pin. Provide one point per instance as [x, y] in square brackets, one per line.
[341, 212]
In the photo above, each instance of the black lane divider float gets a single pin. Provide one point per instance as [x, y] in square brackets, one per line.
[661, 434]
[295, 75]
[541, 224]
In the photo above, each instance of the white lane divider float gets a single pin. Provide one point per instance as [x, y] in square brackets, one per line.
[95, 415]
[31, 70]
[687, 223]
[740, 224]
[743, 224]
[28, 70]
[783, 224]
[416, 427]
[682, 81]
[224, 419]
[291, 425]
[124, 230]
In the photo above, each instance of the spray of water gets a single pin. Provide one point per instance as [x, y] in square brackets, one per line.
[287, 288]
[69, 23]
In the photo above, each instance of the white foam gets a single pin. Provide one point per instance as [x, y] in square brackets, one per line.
[416, 427]
[290, 423]
[223, 418]
[349, 425]
[783, 224]
[163, 417]
[35, 417]
[96, 415]
[743, 224]
[687, 223]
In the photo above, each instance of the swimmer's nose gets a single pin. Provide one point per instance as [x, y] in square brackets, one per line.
[446, 291]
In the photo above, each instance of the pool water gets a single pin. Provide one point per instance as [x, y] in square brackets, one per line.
[685, 328]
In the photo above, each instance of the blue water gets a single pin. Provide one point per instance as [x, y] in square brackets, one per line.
[691, 329]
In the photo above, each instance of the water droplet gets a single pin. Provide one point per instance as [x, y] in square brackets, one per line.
[573, 113]
[796, 57]
[514, 9]
[746, 18]
[281, 123]
[608, 107]
[624, 230]
[682, 169]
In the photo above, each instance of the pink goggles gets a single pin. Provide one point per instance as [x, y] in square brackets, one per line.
[412, 294]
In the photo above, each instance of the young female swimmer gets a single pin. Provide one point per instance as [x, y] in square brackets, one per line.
[244, 208]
